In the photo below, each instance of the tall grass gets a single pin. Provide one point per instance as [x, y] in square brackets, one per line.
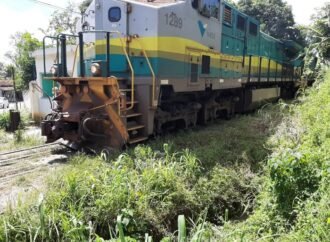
[25, 117]
[20, 138]
[294, 202]
[4, 120]
[148, 190]
[208, 175]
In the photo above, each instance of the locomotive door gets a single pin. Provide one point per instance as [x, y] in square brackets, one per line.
[115, 18]
[193, 67]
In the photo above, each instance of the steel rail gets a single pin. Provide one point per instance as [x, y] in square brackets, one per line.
[30, 148]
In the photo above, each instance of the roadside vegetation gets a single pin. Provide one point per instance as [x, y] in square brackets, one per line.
[294, 201]
[208, 174]
[259, 177]
[262, 176]
[23, 137]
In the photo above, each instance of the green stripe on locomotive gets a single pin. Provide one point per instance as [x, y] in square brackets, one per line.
[169, 68]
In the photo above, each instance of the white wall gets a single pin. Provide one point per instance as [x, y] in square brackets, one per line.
[40, 105]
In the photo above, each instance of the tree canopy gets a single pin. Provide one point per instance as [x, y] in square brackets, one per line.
[65, 21]
[2, 71]
[275, 16]
[24, 44]
[318, 38]
[84, 5]
[62, 21]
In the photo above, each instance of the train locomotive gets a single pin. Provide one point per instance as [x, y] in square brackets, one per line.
[145, 66]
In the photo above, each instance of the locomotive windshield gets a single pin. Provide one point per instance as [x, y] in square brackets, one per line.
[209, 8]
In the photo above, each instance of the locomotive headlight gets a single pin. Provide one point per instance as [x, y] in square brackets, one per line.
[96, 69]
[54, 70]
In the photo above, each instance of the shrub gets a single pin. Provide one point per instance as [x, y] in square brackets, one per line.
[147, 189]
[295, 176]
[4, 120]
[294, 202]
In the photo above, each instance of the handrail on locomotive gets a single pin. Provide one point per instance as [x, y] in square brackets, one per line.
[61, 43]
[153, 105]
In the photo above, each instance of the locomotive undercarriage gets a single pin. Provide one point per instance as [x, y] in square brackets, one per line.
[185, 110]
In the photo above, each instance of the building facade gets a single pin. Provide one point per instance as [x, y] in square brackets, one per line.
[42, 90]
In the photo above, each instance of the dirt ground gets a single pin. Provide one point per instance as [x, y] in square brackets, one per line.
[20, 179]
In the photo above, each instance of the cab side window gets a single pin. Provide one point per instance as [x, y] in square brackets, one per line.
[114, 14]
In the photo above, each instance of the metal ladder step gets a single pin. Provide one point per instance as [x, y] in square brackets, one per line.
[137, 140]
[121, 78]
[135, 102]
[125, 90]
[129, 102]
[136, 127]
[131, 115]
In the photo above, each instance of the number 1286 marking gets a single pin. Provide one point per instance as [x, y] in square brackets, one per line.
[173, 20]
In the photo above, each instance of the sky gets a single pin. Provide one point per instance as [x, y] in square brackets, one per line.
[27, 15]
[24, 15]
[303, 9]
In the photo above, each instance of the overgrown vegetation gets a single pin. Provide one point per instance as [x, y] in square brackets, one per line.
[206, 174]
[239, 141]
[25, 118]
[4, 120]
[294, 202]
[215, 176]
[24, 44]
[318, 37]
[19, 139]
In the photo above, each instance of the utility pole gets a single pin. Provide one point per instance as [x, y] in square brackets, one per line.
[14, 115]
[14, 84]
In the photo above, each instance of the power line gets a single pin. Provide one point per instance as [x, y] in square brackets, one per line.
[52, 5]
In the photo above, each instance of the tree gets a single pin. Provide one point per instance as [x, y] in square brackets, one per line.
[84, 5]
[9, 71]
[63, 21]
[24, 45]
[2, 71]
[275, 16]
[318, 38]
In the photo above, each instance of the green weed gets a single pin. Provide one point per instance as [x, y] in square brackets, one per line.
[147, 190]
[208, 175]
[294, 202]
[19, 139]
[4, 120]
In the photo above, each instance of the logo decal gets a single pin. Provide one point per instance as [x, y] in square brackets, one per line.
[202, 27]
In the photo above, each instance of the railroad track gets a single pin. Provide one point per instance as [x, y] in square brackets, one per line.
[23, 161]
